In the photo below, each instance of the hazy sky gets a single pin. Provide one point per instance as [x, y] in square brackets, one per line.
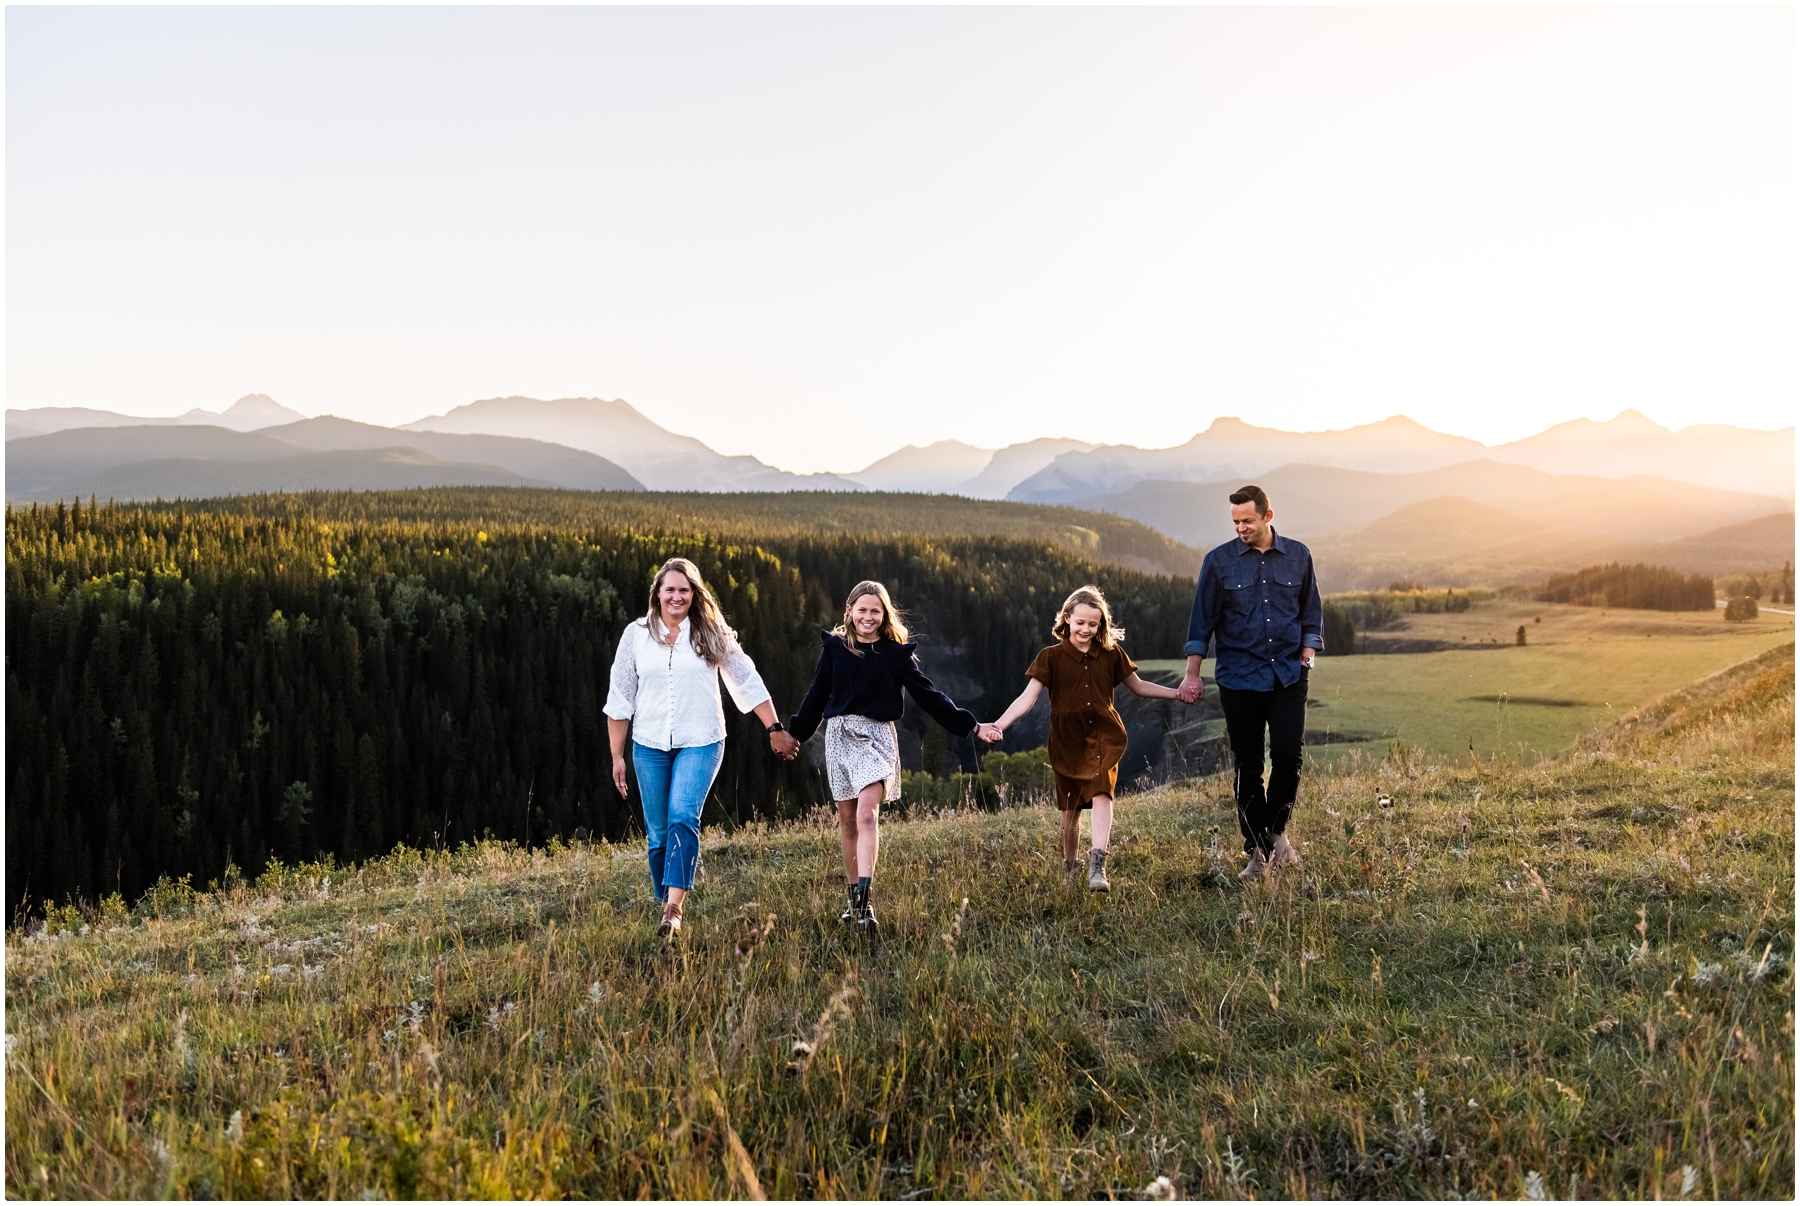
[814, 234]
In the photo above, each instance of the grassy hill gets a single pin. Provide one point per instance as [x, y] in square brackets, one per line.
[1573, 978]
[1477, 694]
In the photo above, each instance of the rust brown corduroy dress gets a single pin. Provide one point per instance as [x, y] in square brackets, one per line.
[1087, 737]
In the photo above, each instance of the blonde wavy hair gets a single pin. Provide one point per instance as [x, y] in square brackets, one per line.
[711, 636]
[1109, 635]
[892, 626]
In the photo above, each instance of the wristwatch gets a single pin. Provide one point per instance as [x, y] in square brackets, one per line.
[777, 727]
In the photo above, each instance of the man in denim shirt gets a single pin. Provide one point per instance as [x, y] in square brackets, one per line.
[1258, 598]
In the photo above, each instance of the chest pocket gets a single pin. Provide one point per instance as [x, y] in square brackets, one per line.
[1283, 587]
[1239, 592]
[1284, 580]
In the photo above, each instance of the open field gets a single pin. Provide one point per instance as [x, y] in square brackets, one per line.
[1581, 668]
[1573, 978]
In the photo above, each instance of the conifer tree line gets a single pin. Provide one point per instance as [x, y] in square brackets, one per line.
[195, 686]
[1650, 587]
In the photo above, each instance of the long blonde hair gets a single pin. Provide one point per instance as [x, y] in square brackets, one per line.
[892, 626]
[710, 635]
[1109, 635]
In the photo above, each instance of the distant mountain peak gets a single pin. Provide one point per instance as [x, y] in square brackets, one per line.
[1637, 420]
[619, 432]
[260, 405]
[248, 413]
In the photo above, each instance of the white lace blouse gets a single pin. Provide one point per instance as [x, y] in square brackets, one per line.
[669, 692]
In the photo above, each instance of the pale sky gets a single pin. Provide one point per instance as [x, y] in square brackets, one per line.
[814, 235]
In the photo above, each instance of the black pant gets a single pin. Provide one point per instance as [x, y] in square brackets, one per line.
[1264, 816]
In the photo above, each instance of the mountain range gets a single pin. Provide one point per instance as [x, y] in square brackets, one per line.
[325, 453]
[248, 413]
[1732, 458]
[1392, 498]
[616, 430]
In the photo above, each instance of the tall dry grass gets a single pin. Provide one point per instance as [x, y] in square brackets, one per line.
[1573, 979]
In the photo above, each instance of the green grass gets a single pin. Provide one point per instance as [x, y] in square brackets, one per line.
[1580, 669]
[1575, 975]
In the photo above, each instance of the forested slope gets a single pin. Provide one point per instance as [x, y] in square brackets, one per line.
[761, 515]
[194, 686]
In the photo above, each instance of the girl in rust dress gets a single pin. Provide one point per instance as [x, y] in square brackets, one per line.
[1087, 737]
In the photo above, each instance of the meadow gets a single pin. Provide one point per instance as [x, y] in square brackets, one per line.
[1476, 694]
[1571, 977]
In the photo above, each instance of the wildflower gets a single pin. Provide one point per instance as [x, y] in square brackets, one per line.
[838, 1007]
[1534, 1186]
[595, 992]
[388, 1036]
[1422, 1132]
[956, 926]
[281, 969]
[1310, 957]
[234, 1130]
[1690, 1179]
[1704, 973]
[415, 1016]
[1238, 1174]
[1160, 1190]
[1473, 1104]
[189, 1061]
[160, 1150]
[431, 1056]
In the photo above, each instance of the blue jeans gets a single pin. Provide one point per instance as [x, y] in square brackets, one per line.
[672, 785]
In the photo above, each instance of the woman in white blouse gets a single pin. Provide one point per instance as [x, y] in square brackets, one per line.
[665, 692]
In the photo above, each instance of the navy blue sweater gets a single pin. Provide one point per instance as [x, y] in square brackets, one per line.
[870, 685]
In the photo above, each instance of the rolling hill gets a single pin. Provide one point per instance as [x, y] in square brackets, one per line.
[1568, 979]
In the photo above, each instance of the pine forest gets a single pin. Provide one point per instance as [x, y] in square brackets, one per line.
[197, 687]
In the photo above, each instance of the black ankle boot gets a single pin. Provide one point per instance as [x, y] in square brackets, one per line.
[850, 910]
[865, 911]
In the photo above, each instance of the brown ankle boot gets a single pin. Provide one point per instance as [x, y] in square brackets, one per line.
[671, 922]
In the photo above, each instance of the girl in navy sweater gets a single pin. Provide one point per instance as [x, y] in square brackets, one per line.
[864, 666]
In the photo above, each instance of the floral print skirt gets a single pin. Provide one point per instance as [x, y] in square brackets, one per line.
[860, 751]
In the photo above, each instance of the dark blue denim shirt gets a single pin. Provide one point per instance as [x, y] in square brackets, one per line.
[1263, 608]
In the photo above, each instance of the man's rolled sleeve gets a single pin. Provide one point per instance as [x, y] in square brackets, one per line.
[1201, 619]
[1312, 612]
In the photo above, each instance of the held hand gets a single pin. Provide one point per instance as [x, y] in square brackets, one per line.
[1192, 690]
[990, 733]
[619, 777]
[784, 745]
